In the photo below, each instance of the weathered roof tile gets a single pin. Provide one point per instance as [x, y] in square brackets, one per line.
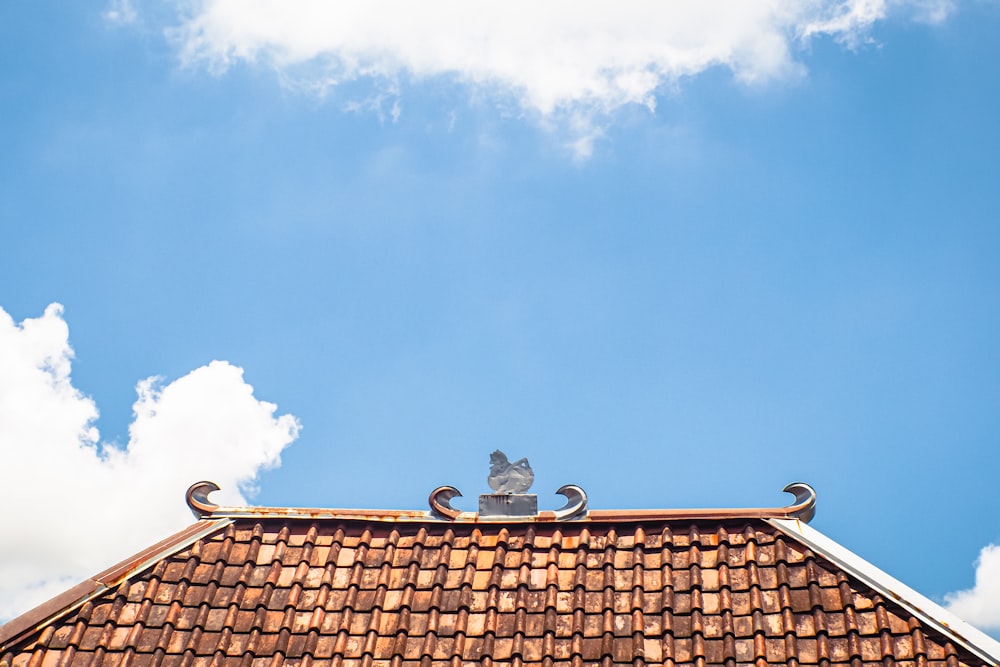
[308, 593]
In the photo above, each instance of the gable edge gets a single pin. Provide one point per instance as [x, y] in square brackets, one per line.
[934, 615]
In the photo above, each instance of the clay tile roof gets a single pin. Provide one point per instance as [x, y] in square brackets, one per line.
[270, 587]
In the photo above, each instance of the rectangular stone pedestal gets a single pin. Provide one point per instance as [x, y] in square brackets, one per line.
[507, 505]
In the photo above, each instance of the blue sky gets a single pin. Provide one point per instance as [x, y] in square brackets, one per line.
[781, 272]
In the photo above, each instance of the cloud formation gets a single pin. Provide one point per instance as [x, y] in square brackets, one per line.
[559, 59]
[84, 505]
[980, 605]
[121, 12]
[547, 55]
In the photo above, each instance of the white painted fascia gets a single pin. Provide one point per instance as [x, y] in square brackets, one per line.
[930, 613]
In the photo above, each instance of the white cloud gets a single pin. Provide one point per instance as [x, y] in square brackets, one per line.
[82, 505]
[567, 63]
[547, 55]
[980, 605]
[121, 12]
[927, 11]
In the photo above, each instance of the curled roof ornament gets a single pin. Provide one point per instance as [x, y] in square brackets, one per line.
[197, 498]
[804, 507]
[440, 501]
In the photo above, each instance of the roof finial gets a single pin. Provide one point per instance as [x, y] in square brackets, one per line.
[509, 502]
[576, 501]
[197, 499]
[804, 507]
[507, 477]
[440, 501]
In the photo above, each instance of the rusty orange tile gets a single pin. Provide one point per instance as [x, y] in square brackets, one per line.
[677, 592]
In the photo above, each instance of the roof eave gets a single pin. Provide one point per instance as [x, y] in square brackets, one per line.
[34, 619]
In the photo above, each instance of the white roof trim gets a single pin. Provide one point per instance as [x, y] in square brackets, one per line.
[929, 612]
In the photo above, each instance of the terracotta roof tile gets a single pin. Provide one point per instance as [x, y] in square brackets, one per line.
[275, 592]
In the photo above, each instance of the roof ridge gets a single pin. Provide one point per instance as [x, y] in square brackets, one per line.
[803, 508]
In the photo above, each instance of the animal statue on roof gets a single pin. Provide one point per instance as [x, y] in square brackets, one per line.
[507, 477]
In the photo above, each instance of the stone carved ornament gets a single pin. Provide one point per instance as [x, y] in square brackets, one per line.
[507, 477]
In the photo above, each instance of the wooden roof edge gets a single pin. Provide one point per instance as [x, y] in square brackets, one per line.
[21, 627]
[926, 610]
